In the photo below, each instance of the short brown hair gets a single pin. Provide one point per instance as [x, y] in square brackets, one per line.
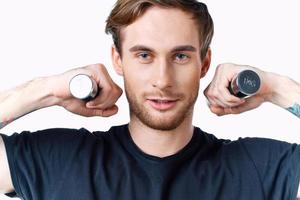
[126, 12]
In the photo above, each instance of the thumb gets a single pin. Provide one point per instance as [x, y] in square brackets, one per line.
[249, 104]
[103, 112]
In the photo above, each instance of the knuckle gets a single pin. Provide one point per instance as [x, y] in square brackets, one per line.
[110, 89]
[211, 99]
[206, 92]
[97, 68]
[98, 112]
[117, 90]
[120, 91]
[214, 93]
[211, 108]
[220, 67]
[99, 65]
[217, 113]
[219, 90]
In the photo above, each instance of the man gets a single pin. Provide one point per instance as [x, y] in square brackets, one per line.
[161, 48]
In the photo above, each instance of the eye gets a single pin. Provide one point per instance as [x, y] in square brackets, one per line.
[181, 58]
[144, 57]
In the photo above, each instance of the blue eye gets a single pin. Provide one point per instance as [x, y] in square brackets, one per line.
[181, 56]
[143, 55]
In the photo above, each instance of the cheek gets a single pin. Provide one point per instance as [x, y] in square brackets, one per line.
[189, 77]
[133, 82]
[136, 75]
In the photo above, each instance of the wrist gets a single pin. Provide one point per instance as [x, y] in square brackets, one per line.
[281, 90]
[43, 88]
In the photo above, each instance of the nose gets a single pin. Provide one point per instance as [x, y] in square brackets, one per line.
[164, 75]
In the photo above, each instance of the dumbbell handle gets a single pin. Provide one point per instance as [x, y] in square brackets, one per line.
[83, 87]
[245, 84]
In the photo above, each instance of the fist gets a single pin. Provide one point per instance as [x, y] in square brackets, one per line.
[103, 105]
[221, 101]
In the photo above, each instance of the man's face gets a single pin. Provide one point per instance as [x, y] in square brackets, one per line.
[162, 67]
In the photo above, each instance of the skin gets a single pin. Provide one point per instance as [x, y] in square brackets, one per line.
[160, 60]
[170, 69]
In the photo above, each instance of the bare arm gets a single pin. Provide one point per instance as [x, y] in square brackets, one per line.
[279, 90]
[24, 99]
[285, 93]
[14, 104]
[48, 91]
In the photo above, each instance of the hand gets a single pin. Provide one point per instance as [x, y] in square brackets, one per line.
[103, 105]
[221, 102]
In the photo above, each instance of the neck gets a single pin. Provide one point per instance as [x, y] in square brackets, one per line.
[161, 143]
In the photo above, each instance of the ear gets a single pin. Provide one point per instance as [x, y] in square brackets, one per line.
[206, 63]
[116, 60]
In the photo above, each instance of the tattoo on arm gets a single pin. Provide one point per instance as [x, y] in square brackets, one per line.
[295, 109]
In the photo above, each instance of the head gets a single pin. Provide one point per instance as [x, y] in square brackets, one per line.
[161, 47]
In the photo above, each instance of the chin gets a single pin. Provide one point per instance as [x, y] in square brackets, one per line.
[162, 125]
[158, 120]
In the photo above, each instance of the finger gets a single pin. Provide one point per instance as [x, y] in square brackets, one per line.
[248, 105]
[225, 111]
[205, 92]
[220, 103]
[99, 103]
[105, 103]
[215, 96]
[107, 98]
[211, 101]
[217, 110]
[211, 97]
[105, 86]
[102, 96]
[99, 112]
[230, 100]
[219, 100]
[110, 111]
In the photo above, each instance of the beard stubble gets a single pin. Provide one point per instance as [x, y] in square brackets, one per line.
[138, 109]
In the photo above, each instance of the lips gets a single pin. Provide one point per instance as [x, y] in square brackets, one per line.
[162, 104]
[162, 101]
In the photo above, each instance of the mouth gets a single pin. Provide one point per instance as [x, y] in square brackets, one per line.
[162, 104]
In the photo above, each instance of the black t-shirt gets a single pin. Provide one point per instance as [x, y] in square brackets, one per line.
[69, 164]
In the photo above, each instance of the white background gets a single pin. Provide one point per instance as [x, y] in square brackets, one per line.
[41, 38]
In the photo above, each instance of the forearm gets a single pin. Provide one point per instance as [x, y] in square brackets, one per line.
[285, 93]
[31, 96]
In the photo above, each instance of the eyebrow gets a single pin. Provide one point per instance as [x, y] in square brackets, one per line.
[184, 48]
[140, 48]
[175, 49]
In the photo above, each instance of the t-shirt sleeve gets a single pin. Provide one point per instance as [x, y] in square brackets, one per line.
[278, 166]
[38, 160]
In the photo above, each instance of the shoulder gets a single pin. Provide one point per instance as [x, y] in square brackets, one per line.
[54, 141]
[261, 146]
[253, 145]
[62, 136]
[257, 149]
[119, 132]
[46, 135]
[209, 139]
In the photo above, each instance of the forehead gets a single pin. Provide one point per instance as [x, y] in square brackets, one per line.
[162, 28]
